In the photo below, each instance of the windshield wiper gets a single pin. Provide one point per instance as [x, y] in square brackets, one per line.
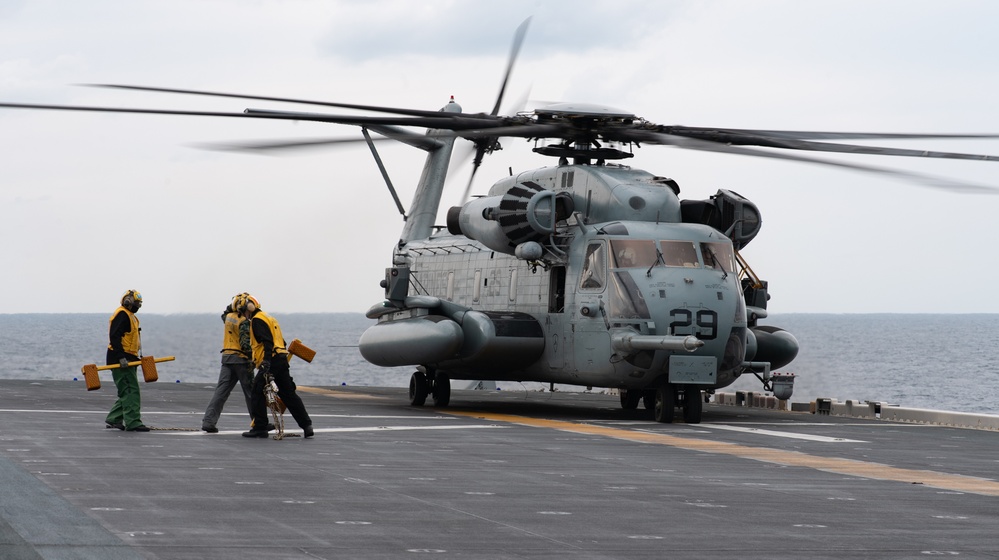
[716, 261]
[659, 259]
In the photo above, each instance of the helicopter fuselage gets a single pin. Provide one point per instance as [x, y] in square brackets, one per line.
[624, 294]
[584, 308]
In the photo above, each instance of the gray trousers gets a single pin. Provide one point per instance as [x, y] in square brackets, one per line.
[235, 369]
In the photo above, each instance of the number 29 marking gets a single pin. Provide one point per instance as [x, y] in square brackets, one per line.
[705, 319]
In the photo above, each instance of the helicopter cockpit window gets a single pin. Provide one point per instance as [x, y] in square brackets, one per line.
[719, 256]
[633, 253]
[626, 299]
[594, 273]
[680, 253]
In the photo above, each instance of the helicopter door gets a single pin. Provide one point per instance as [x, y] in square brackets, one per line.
[590, 340]
[556, 290]
[555, 341]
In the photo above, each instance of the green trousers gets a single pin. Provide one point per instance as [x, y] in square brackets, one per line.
[126, 409]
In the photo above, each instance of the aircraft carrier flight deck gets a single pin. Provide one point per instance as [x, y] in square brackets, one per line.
[497, 474]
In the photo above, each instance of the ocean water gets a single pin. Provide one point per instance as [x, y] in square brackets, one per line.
[56, 346]
[945, 362]
[948, 362]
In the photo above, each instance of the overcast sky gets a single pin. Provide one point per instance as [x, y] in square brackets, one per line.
[94, 204]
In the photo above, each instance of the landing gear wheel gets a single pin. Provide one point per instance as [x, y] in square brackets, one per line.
[630, 398]
[692, 405]
[418, 389]
[649, 399]
[665, 403]
[442, 389]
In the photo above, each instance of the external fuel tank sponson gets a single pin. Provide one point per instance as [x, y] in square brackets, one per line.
[484, 340]
[771, 344]
[498, 341]
[419, 340]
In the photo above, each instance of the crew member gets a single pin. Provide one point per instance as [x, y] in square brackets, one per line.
[124, 346]
[236, 367]
[270, 356]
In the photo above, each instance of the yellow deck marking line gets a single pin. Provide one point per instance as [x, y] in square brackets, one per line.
[851, 467]
[339, 394]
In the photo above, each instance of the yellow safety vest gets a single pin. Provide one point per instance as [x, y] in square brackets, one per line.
[258, 347]
[230, 340]
[130, 341]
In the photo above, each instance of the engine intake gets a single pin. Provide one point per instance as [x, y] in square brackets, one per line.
[728, 212]
[525, 213]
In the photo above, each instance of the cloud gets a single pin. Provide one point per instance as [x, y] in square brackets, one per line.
[456, 29]
[96, 203]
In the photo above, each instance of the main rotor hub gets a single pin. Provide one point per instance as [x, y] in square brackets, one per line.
[582, 111]
[583, 126]
[579, 152]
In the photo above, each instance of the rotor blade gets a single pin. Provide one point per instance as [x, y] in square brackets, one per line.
[793, 144]
[422, 141]
[483, 138]
[927, 180]
[268, 146]
[455, 121]
[461, 154]
[519, 131]
[468, 188]
[418, 140]
[436, 122]
[476, 162]
[374, 108]
[518, 40]
[876, 150]
[820, 135]
[141, 111]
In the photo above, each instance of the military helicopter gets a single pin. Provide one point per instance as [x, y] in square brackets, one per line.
[587, 272]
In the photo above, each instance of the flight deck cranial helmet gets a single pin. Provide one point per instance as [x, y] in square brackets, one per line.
[132, 300]
[238, 301]
[245, 302]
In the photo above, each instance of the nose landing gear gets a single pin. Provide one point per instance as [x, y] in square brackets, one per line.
[669, 396]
